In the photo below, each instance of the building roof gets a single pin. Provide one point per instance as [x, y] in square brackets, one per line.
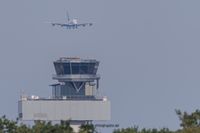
[75, 59]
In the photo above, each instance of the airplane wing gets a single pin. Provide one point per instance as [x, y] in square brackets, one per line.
[57, 24]
[69, 26]
[64, 25]
[85, 24]
[72, 25]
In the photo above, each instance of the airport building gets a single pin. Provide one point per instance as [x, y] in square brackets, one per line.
[75, 96]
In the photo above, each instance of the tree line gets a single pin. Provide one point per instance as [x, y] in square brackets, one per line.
[189, 123]
[10, 126]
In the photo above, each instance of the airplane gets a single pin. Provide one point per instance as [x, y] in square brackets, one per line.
[72, 23]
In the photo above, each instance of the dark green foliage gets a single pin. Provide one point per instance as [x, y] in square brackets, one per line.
[190, 123]
[189, 120]
[7, 126]
[87, 128]
[127, 130]
[47, 127]
[136, 130]
[22, 128]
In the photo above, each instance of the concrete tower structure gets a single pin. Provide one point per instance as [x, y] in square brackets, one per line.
[75, 96]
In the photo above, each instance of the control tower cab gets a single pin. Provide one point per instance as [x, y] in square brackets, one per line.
[75, 96]
[77, 79]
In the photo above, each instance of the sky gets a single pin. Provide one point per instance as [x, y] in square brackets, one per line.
[148, 52]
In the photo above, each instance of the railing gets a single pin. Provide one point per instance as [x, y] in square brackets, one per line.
[76, 77]
[78, 97]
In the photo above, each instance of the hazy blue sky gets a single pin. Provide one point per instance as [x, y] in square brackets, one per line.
[149, 53]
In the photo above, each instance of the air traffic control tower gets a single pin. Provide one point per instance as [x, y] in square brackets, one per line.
[75, 96]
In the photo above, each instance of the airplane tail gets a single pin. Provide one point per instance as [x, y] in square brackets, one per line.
[68, 19]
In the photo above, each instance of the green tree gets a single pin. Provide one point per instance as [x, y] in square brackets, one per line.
[87, 128]
[189, 120]
[7, 126]
[47, 127]
[127, 130]
[22, 128]
[65, 126]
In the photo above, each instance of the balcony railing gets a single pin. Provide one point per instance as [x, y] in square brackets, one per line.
[92, 98]
[76, 77]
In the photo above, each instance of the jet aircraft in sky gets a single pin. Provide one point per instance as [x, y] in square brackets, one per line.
[72, 23]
